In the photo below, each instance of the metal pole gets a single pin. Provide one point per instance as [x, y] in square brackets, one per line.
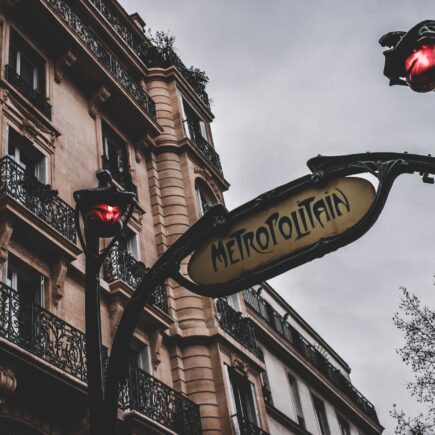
[93, 335]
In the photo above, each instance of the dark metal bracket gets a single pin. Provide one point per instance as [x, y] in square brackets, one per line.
[386, 167]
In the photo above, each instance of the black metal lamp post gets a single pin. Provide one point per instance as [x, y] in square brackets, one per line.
[105, 211]
[410, 57]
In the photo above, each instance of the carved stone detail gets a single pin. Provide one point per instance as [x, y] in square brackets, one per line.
[58, 281]
[5, 237]
[115, 312]
[156, 344]
[102, 95]
[65, 62]
[8, 383]
[205, 174]
[239, 365]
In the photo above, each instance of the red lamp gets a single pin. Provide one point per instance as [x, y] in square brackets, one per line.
[104, 208]
[420, 68]
[104, 219]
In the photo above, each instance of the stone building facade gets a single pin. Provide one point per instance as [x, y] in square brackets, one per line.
[82, 90]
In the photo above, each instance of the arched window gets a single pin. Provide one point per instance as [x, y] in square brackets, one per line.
[204, 197]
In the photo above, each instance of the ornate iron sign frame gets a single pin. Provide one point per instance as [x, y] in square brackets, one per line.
[386, 167]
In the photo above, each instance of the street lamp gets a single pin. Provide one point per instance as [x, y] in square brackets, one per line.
[410, 58]
[105, 211]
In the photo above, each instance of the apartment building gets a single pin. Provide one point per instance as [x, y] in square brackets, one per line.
[81, 90]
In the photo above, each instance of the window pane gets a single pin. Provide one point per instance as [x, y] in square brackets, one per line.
[321, 416]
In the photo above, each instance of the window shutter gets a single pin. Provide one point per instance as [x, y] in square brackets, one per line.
[41, 296]
[133, 246]
[203, 130]
[144, 359]
[41, 170]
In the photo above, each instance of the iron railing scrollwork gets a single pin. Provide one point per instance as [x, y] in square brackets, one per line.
[201, 143]
[121, 173]
[89, 38]
[36, 197]
[242, 426]
[120, 265]
[41, 333]
[236, 325]
[25, 89]
[150, 55]
[309, 352]
[147, 395]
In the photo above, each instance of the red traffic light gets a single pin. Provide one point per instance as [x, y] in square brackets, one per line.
[104, 220]
[420, 69]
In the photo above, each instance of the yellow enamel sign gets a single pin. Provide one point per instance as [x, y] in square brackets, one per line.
[288, 226]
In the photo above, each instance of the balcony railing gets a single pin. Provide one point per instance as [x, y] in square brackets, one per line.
[242, 426]
[36, 330]
[120, 265]
[41, 333]
[89, 38]
[25, 89]
[201, 143]
[121, 173]
[37, 198]
[150, 56]
[236, 325]
[149, 396]
[309, 352]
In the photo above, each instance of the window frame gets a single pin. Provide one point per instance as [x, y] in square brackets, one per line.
[24, 48]
[296, 399]
[324, 429]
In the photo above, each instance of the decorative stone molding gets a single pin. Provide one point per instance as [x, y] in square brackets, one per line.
[208, 178]
[156, 344]
[65, 62]
[8, 384]
[6, 230]
[115, 312]
[101, 96]
[58, 281]
[239, 365]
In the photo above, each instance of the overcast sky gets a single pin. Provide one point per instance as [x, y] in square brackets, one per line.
[291, 79]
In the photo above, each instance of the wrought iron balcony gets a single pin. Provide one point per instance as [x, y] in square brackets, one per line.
[236, 325]
[90, 39]
[36, 330]
[41, 333]
[309, 352]
[150, 56]
[120, 265]
[120, 172]
[242, 426]
[37, 198]
[25, 89]
[201, 143]
[147, 395]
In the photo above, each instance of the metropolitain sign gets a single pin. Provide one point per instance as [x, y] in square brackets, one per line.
[289, 225]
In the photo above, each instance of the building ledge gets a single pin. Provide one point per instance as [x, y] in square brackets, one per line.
[286, 421]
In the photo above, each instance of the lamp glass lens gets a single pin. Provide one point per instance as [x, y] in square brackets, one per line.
[420, 68]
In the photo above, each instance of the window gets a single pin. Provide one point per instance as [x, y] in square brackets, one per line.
[194, 127]
[204, 199]
[26, 63]
[321, 416]
[115, 158]
[244, 408]
[233, 301]
[129, 242]
[294, 391]
[28, 158]
[344, 426]
[141, 358]
[18, 306]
